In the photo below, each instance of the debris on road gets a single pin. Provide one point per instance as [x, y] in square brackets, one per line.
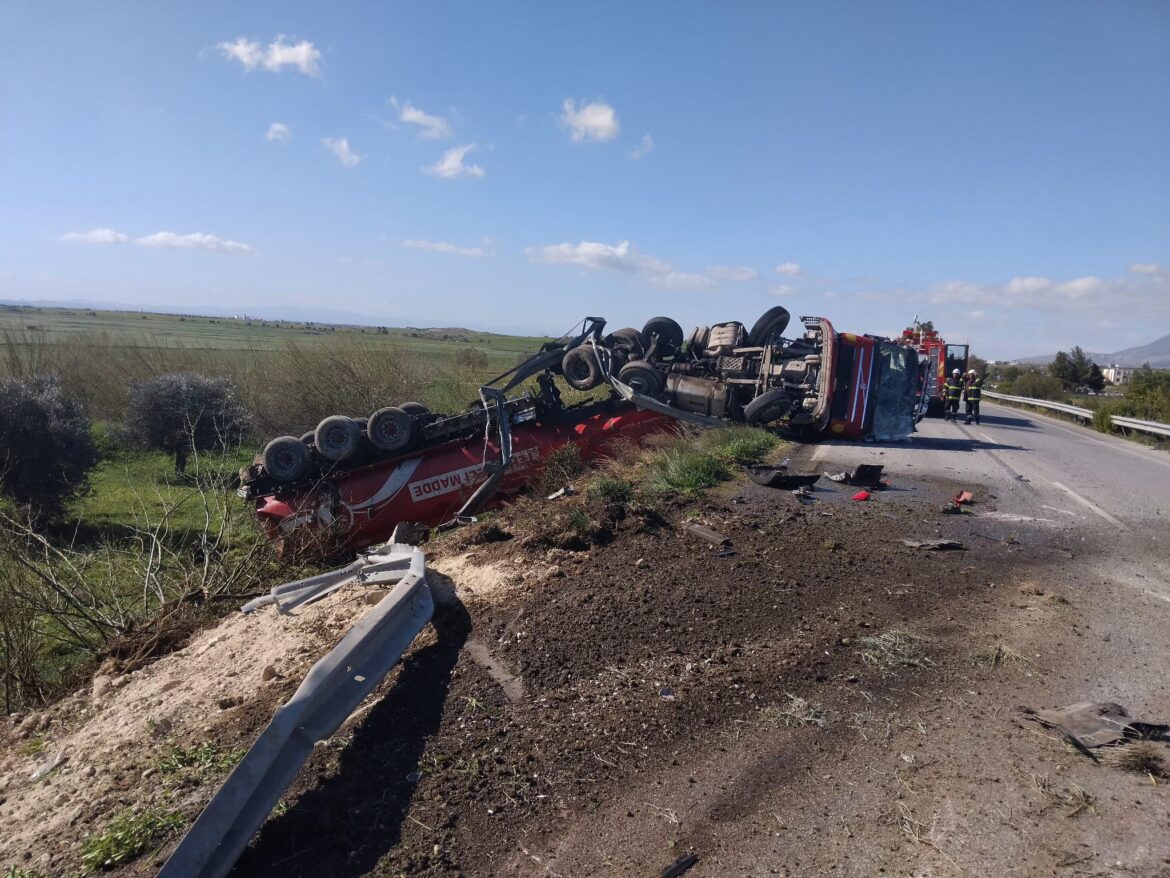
[861, 496]
[933, 545]
[963, 498]
[867, 475]
[1096, 724]
[779, 477]
[566, 491]
[679, 867]
[709, 536]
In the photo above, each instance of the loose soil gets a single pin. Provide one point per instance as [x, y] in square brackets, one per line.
[607, 696]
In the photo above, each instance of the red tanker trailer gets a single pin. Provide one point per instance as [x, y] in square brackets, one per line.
[350, 482]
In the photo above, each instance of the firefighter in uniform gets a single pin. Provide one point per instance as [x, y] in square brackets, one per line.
[973, 394]
[952, 391]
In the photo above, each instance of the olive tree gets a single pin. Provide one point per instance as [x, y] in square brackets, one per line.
[184, 413]
[46, 448]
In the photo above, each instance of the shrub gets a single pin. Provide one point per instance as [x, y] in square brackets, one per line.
[128, 836]
[46, 450]
[185, 413]
[1037, 385]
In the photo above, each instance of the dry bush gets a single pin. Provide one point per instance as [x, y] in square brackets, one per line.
[1141, 757]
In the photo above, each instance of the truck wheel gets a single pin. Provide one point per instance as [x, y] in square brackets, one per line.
[670, 335]
[307, 438]
[768, 329]
[767, 407]
[415, 408]
[336, 437]
[581, 369]
[627, 340]
[934, 407]
[286, 459]
[391, 429]
[644, 379]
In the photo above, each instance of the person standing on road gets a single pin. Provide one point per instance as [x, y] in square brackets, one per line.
[952, 390]
[973, 393]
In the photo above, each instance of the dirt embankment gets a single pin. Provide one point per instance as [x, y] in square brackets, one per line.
[612, 694]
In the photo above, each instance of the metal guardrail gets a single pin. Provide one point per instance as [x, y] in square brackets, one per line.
[331, 691]
[1074, 410]
[1087, 414]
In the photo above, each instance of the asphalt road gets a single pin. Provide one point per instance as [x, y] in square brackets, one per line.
[1049, 473]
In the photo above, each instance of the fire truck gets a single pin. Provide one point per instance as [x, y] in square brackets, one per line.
[940, 359]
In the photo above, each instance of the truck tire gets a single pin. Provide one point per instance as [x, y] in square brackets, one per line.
[769, 327]
[767, 407]
[415, 408]
[337, 437]
[628, 341]
[670, 335]
[643, 378]
[391, 429]
[307, 438]
[286, 459]
[934, 407]
[581, 369]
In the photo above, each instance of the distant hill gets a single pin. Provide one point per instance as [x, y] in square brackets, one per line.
[1156, 353]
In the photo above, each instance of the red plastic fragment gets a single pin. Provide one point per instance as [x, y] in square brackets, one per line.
[964, 497]
[861, 495]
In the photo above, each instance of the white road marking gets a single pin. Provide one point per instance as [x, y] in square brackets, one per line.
[1089, 504]
[987, 438]
[819, 452]
[1061, 511]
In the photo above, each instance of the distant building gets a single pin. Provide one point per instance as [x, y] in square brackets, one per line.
[1117, 375]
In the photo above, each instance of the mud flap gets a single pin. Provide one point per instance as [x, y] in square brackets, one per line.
[331, 691]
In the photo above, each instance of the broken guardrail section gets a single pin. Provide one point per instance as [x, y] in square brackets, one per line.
[331, 691]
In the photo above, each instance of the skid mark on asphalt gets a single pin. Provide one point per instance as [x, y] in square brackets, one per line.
[1089, 504]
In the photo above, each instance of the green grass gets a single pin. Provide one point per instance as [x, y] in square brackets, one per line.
[128, 836]
[198, 760]
[136, 488]
[694, 464]
[59, 325]
[18, 872]
[611, 489]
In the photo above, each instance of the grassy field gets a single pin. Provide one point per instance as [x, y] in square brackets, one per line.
[139, 329]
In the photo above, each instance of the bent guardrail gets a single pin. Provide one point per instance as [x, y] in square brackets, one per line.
[1120, 421]
[333, 688]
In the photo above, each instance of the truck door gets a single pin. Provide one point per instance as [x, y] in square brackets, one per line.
[956, 358]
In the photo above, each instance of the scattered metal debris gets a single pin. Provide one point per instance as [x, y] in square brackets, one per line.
[933, 545]
[709, 536]
[1096, 724]
[867, 475]
[779, 477]
[679, 867]
[566, 491]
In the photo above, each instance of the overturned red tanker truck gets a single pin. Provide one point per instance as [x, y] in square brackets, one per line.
[350, 482]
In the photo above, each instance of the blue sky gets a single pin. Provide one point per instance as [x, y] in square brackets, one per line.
[1001, 167]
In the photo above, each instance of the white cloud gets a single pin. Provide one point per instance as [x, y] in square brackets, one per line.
[789, 269]
[278, 132]
[304, 56]
[445, 247]
[780, 289]
[1022, 286]
[451, 166]
[622, 257]
[1146, 268]
[195, 240]
[429, 127]
[643, 148]
[339, 146]
[593, 121]
[97, 236]
[727, 272]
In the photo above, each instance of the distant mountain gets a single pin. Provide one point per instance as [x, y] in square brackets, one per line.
[1156, 353]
